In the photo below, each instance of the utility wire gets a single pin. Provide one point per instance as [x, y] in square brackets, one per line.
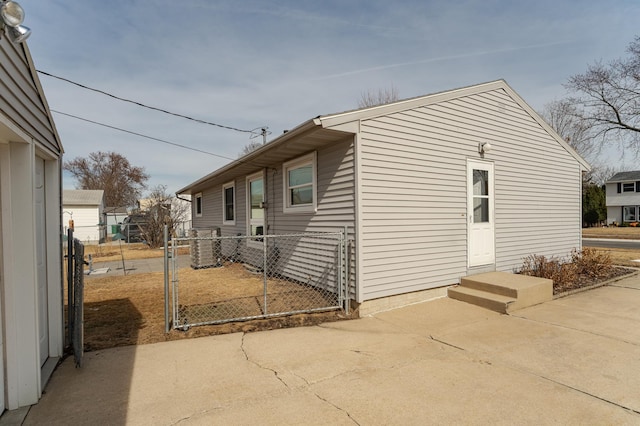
[145, 106]
[141, 135]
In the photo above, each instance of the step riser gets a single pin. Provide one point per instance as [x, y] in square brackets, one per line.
[470, 282]
[484, 302]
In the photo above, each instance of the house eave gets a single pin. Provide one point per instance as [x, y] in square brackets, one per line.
[304, 138]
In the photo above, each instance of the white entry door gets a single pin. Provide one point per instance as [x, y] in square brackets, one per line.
[480, 215]
[41, 261]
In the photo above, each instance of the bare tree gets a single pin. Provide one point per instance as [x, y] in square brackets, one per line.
[563, 117]
[122, 182]
[161, 208]
[608, 96]
[381, 97]
[250, 147]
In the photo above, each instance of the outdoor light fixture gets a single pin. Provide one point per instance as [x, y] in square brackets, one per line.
[12, 16]
[484, 147]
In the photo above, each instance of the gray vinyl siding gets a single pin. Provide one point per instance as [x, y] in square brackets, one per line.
[20, 100]
[335, 210]
[413, 191]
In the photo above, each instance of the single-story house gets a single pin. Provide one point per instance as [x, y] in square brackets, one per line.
[623, 197]
[431, 189]
[85, 207]
[31, 305]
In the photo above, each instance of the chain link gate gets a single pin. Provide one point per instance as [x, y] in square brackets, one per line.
[242, 278]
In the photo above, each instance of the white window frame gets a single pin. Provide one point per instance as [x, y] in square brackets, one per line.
[250, 221]
[309, 159]
[197, 197]
[226, 186]
[627, 188]
[625, 209]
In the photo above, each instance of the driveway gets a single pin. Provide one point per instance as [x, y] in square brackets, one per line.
[570, 361]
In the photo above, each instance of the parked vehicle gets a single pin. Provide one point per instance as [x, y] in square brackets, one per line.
[132, 228]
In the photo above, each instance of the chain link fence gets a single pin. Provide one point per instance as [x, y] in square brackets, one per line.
[242, 278]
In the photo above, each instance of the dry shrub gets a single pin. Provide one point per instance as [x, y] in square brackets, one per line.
[562, 274]
[592, 263]
[584, 263]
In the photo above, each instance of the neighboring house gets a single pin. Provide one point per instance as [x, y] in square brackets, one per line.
[31, 305]
[86, 208]
[431, 189]
[623, 197]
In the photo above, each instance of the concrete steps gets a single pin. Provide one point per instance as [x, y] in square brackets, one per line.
[501, 291]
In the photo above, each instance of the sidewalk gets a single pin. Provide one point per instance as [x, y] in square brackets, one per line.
[574, 360]
[133, 266]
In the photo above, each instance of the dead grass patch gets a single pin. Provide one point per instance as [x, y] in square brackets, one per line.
[129, 310]
[625, 233]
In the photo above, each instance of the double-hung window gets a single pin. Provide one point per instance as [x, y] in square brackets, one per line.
[300, 188]
[229, 204]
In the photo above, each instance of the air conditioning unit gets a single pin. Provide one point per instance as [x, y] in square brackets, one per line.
[205, 248]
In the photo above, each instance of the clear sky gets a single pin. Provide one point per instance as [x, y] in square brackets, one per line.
[249, 64]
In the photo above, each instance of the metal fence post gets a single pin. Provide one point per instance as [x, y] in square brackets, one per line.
[166, 278]
[345, 247]
[70, 270]
[264, 271]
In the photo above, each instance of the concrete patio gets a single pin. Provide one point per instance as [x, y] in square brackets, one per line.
[573, 360]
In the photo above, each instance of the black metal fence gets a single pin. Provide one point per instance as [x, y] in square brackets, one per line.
[75, 296]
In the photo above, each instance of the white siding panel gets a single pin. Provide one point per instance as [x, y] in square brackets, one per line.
[414, 191]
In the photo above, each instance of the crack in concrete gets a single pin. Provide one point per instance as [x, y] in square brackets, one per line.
[573, 388]
[309, 384]
[326, 401]
[617, 339]
[447, 343]
[246, 356]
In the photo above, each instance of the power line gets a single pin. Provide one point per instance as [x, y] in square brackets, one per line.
[141, 135]
[144, 105]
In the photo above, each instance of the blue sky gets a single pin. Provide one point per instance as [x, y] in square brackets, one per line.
[249, 64]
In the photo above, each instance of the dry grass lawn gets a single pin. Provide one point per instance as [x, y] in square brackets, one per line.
[129, 310]
[627, 233]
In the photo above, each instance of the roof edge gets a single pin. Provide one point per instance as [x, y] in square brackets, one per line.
[305, 126]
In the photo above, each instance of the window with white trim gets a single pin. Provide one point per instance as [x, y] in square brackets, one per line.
[198, 204]
[229, 203]
[629, 213]
[300, 187]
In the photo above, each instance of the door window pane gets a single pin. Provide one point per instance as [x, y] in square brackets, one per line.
[480, 182]
[480, 210]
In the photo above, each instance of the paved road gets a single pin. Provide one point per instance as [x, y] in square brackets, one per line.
[610, 243]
